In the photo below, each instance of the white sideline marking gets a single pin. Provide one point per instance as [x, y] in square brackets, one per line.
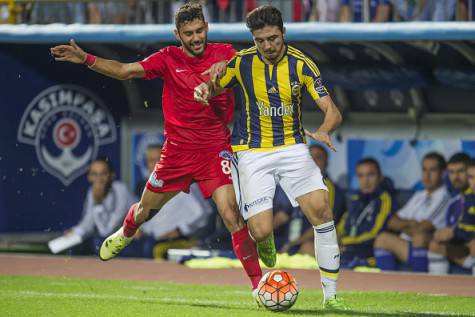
[169, 300]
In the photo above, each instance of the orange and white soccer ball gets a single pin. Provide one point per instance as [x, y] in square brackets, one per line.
[277, 290]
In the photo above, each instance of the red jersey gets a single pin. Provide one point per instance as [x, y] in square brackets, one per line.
[189, 124]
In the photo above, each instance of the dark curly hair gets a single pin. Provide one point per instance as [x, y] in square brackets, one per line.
[187, 13]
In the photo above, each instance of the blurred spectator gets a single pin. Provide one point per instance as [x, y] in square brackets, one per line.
[465, 10]
[367, 215]
[106, 204]
[178, 223]
[325, 11]
[68, 13]
[4, 13]
[411, 228]
[410, 10]
[457, 244]
[300, 232]
[354, 11]
[108, 12]
[152, 156]
[425, 10]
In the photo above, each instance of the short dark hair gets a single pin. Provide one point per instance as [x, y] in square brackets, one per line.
[263, 16]
[460, 157]
[105, 160]
[471, 163]
[187, 13]
[370, 160]
[438, 157]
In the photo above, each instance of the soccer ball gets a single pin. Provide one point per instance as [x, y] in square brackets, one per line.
[277, 290]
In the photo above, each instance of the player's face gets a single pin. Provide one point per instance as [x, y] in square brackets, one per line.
[99, 174]
[270, 42]
[153, 156]
[431, 174]
[457, 175]
[471, 177]
[368, 178]
[320, 157]
[193, 37]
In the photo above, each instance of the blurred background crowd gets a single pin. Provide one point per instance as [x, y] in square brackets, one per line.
[225, 11]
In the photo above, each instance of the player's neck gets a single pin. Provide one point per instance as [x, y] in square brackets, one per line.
[190, 54]
[277, 59]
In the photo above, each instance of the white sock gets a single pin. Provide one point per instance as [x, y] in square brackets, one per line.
[327, 254]
[438, 263]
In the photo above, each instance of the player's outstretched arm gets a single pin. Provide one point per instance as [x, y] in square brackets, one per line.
[74, 54]
[331, 121]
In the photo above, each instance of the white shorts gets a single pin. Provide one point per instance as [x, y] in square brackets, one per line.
[256, 174]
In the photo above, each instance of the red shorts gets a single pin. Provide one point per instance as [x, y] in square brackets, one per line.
[177, 169]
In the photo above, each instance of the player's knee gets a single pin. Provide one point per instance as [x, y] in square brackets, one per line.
[231, 218]
[261, 231]
[321, 213]
[382, 240]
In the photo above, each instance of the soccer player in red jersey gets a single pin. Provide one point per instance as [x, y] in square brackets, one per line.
[197, 147]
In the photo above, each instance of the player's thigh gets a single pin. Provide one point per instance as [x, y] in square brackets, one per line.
[254, 182]
[261, 225]
[300, 178]
[393, 243]
[213, 170]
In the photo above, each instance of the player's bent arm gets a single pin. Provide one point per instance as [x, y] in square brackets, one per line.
[118, 70]
[397, 224]
[333, 116]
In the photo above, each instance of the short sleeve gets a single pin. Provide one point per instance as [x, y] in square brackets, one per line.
[229, 51]
[229, 79]
[154, 65]
[312, 80]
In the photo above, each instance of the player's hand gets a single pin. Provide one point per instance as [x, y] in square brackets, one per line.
[68, 53]
[201, 93]
[322, 137]
[444, 235]
[216, 71]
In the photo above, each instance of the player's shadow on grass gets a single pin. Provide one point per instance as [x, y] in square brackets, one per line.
[324, 312]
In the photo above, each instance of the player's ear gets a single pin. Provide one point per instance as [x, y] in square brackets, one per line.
[284, 31]
[206, 26]
[177, 35]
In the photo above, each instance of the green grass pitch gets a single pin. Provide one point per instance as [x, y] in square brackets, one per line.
[42, 296]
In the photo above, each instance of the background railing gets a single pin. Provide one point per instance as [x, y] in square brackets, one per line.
[162, 11]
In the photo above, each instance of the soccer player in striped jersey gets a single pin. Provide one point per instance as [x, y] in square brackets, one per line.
[269, 141]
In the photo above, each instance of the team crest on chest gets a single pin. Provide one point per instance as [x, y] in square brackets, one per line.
[295, 87]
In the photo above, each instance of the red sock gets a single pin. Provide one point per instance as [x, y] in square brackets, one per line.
[245, 249]
[129, 226]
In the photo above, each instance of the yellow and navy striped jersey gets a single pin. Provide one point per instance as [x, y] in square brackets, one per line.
[271, 115]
